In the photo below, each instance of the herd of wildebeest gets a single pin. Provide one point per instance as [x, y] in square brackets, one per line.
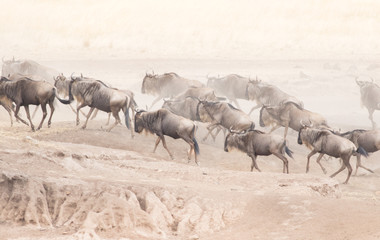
[25, 82]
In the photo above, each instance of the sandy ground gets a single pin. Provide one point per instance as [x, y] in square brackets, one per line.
[67, 183]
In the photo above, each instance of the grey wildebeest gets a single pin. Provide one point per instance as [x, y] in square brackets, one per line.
[232, 86]
[225, 115]
[190, 108]
[25, 92]
[268, 95]
[165, 123]
[256, 143]
[325, 142]
[95, 94]
[370, 97]
[369, 140]
[166, 85]
[289, 115]
[29, 68]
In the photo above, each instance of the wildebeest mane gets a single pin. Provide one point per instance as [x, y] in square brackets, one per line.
[151, 120]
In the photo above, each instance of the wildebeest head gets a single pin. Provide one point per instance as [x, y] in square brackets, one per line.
[303, 127]
[149, 83]
[7, 67]
[253, 89]
[211, 81]
[139, 123]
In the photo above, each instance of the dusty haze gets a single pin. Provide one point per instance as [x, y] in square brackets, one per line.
[67, 183]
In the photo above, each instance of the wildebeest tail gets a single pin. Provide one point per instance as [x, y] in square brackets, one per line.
[196, 146]
[361, 151]
[287, 150]
[126, 113]
[61, 100]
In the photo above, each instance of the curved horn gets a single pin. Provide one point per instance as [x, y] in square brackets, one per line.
[55, 78]
[81, 75]
[302, 124]
[372, 79]
[72, 76]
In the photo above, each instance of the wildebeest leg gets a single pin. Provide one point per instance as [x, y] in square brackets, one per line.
[28, 116]
[51, 105]
[34, 112]
[17, 117]
[78, 108]
[346, 163]
[359, 164]
[370, 112]
[9, 110]
[95, 114]
[286, 162]
[319, 162]
[166, 147]
[115, 114]
[72, 108]
[286, 130]
[254, 163]
[44, 114]
[88, 117]
[274, 128]
[308, 159]
[157, 142]
[254, 108]
[155, 101]
[210, 128]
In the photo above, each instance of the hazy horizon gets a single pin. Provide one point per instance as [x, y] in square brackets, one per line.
[89, 29]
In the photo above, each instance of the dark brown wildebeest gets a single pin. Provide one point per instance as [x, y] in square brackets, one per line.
[232, 86]
[225, 115]
[369, 140]
[25, 92]
[95, 94]
[256, 143]
[268, 95]
[370, 97]
[289, 115]
[165, 123]
[166, 85]
[325, 142]
[29, 68]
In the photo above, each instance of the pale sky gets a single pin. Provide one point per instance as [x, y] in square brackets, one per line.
[190, 29]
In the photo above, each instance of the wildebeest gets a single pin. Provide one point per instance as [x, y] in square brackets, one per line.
[166, 85]
[268, 95]
[202, 93]
[165, 123]
[289, 115]
[370, 97]
[190, 108]
[25, 92]
[325, 142]
[256, 143]
[95, 94]
[232, 86]
[225, 115]
[369, 140]
[29, 68]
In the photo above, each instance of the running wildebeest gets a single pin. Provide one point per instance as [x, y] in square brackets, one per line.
[25, 92]
[165, 123]
[369, 140]
[191, 108]
[370, 97]
[225, 115]
[268, 95]
[166, 85]
[232, 86]
[289, 115]
[325, 142]
[96, 94]
[29, 68]
[256, 143]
